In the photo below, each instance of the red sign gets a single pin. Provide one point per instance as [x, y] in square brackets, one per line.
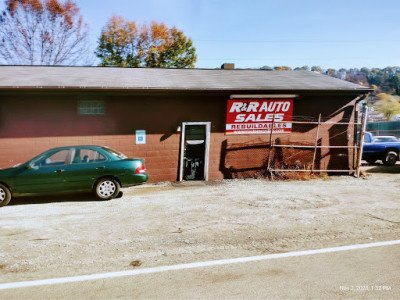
[254, 116]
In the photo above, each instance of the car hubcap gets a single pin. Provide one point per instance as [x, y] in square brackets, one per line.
[107, 188]
[2, 195]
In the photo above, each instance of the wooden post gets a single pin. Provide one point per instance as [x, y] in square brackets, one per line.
[361, 139]
[316, 143]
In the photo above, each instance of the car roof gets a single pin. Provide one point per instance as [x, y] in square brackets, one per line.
[78, 147]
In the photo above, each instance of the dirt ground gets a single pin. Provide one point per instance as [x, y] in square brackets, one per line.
[171, 223]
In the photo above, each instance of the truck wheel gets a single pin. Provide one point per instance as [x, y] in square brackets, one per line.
[5, 195]
[390, 158]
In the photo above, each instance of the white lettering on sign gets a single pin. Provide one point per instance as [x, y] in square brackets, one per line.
[244, 107]
[259, 111]
[259, 117]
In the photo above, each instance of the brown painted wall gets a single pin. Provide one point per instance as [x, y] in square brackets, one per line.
[32, 123]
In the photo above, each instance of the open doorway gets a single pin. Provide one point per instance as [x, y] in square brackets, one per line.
[195, 145]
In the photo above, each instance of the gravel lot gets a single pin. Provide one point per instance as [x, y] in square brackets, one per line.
[170, 223]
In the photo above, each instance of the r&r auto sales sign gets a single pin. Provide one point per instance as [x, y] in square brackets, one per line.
[254, 116]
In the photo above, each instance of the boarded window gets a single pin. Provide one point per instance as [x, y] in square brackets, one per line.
[91, 107]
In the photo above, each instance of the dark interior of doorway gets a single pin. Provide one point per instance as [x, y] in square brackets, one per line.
[194, 152]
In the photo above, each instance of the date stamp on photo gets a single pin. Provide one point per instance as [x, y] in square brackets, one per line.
[365, 288]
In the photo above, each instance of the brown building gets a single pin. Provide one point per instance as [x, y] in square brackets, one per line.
[185, 123]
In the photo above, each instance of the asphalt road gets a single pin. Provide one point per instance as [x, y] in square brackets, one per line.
[371, 273]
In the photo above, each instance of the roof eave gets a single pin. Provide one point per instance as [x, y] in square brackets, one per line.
[178, 89]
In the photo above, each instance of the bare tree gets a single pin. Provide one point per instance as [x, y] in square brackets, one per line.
[42, 32]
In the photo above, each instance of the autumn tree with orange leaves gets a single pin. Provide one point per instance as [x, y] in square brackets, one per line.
[125, 44]
[42, 32]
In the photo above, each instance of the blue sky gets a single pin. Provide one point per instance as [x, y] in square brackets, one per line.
[255, 33]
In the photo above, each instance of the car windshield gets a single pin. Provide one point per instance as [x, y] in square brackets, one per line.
[36, 159]
[385, 139]
[115, 153]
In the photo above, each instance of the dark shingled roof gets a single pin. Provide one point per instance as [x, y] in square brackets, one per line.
[50, 77]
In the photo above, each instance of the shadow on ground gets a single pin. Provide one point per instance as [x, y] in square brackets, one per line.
[383, 169]
[81, 197]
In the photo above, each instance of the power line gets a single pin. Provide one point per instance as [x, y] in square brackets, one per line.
[299, 41]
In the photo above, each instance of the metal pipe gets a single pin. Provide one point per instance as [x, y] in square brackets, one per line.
[316, 142]
[303, 170]
[315, 123]
[270, 142]
[303, 146]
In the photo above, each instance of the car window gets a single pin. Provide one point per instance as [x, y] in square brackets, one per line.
[53, 159]
[385, 139]
[115, 153]
[367, 138]
[84, 156]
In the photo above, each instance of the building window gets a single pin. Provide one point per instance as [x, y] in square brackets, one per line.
[91, 107]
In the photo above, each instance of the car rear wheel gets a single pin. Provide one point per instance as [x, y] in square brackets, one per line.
[106, 188]
[5, 195]
[390, 158]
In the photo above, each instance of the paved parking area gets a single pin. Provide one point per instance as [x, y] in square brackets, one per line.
[341, 272]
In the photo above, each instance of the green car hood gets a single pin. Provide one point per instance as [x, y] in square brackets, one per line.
[5, 173]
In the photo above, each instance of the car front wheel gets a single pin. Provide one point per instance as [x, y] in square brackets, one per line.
[390, 158]
[5, 195]
[106, 188]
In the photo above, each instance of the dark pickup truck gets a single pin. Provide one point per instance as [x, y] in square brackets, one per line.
[384, 148]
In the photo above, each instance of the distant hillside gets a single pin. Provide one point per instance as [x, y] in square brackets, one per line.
[385, 80]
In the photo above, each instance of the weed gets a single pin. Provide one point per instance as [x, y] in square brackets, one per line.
[284, 172]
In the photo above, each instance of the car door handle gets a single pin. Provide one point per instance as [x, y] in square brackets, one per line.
[59, 171]
[100, 168]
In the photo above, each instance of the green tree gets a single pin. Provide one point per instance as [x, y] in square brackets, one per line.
[124, 44]
[394, 83]
[365, 70]
[316, 69]
[268, 68]
[303, 68]
[388, 105]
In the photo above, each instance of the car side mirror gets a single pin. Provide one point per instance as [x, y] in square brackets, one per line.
[31, 166]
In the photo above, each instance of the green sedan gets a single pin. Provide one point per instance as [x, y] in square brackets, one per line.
[73, 169]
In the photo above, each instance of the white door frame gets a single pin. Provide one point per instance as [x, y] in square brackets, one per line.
[207, 147]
